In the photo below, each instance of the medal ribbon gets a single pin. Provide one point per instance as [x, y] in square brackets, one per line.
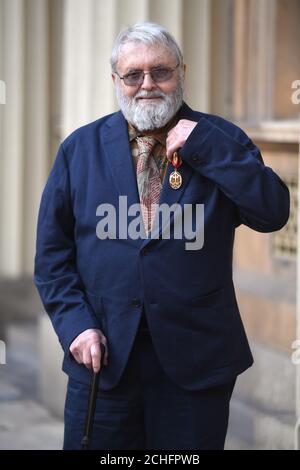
[175, 178]
[176, 160]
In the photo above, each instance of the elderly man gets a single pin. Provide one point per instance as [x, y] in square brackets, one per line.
[166, 313]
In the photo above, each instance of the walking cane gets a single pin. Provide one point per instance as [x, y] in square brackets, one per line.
[85, 442]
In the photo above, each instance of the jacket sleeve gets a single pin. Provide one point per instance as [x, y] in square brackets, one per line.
[56, 277]
[235, 165]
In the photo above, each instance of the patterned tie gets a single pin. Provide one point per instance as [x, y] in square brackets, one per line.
[148, 179]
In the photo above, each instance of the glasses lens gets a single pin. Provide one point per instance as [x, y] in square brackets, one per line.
[133, 78]
[158, 75]
[161, 75]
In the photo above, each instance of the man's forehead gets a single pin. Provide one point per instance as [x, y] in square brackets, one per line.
[137, 55]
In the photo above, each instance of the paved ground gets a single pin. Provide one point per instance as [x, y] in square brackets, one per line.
[24, 422]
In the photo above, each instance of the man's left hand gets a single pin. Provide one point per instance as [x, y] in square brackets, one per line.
[178, 135]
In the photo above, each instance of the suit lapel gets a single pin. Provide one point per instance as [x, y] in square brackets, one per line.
[118, 153]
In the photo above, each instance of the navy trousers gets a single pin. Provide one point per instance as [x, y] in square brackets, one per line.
[148, 411]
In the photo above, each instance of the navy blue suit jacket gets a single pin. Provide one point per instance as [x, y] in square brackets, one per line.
[188, 296]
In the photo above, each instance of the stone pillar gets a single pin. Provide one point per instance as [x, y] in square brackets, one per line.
[130, 12]
[254, 46]
[12, 141]
[196, 48]
[261, 49]
[89, 30]
[171, 17]
[24, 133]
[36, 123]
[221, 57]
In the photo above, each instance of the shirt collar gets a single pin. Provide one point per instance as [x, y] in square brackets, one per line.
[160, 135]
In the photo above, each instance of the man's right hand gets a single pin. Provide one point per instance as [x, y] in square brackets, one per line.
[86, 349]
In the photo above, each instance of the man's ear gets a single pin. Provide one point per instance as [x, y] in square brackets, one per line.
[113, 77]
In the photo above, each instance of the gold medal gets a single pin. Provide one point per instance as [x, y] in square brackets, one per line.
[175, 178]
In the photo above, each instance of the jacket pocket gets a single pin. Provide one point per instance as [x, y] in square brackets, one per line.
[211, 299]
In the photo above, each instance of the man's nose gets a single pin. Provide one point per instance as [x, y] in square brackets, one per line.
[148, 83]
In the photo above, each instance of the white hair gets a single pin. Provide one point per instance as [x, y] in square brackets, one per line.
[145, 33]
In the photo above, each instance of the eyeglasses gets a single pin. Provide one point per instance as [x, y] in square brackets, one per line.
[158, 75]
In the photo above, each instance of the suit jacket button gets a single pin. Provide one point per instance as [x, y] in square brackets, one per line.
[145, 251]
[198, 160]
[136, 302]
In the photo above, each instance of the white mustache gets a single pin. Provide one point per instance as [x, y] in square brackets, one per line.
[149, 94]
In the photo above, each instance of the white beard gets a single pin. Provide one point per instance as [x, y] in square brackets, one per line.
[145, 115]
